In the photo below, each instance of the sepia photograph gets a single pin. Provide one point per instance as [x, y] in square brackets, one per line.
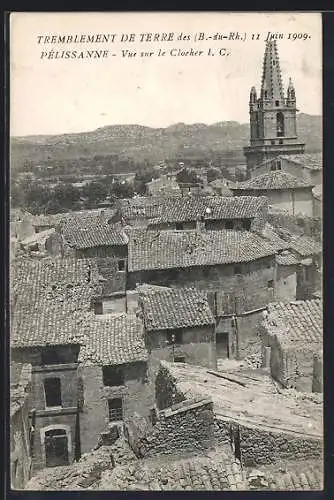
[166, 304]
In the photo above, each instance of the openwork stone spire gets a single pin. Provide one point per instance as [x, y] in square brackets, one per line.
[271, 87]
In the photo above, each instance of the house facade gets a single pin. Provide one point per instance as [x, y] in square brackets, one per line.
[179, 326]
[282, 190]
[292, 339]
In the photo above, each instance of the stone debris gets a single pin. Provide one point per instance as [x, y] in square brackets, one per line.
[86, 473]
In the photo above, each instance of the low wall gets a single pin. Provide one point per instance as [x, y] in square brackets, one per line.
[188, 426]
[263, 446]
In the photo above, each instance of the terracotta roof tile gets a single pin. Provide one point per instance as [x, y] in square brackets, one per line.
[193, 208]
[49, 299]
[313, 161]
[299, 321]
[173, 249]
[287, 258]
[282, 239]
[167, 308]
[297, 475]
[89, 232]
[114, 340]
[211, 472]
[272, 180]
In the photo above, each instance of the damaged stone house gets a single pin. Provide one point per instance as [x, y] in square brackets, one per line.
[92, 237]
[240, 413]
[223, 263]
[298, 263]
[113, 375]
[88, 370]
[292, 340]
[179, 326]
[48, 305]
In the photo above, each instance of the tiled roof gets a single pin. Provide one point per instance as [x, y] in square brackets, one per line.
[89, 232]
[291, 476]
[54, 219]
[49, 300]
[214, 471]
[272, 180]
[193, 208]
[283, 239]
[305, 246]
[173, 249]
[299, 321]
[166, 308]
[114, 340]
[287, 258]
[312, 161]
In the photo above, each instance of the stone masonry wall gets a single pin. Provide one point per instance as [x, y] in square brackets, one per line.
[252, 281]
[188, 426]
[264, 446]
[20, 460]
[166, 391]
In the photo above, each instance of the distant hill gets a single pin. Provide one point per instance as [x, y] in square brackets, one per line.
[153, 144]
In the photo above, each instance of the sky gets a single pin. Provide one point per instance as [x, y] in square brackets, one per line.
[55, 96]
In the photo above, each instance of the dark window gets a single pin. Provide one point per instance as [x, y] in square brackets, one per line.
[98, 307]
[179, 226]
[237, 269]
[280, 141]
[271, 284]
[265, 94]
[272, 142]
[153, 416]
[50, 357]
[121, 265]
[52, 390]
[276, 103]
[278, 165]
[307, 273]
[229, 224]
[56, 448]
[175, 337]
[112, 376]
[179, 359]
[246, 224]
[115, 409]
[280, 124]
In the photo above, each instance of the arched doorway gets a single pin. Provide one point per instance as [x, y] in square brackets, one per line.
[56, 448]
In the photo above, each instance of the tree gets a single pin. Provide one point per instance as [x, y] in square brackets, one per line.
[186, 176]
[64, 197]
[212, 174]
[95, 192]
[122, 190]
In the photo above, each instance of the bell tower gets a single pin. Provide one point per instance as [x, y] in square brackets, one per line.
[273, 129]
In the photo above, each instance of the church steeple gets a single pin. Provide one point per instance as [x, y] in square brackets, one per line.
[271, 86]
[273, 129]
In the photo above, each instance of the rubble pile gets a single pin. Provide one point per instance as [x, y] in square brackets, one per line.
[86, 473]
[203, 472]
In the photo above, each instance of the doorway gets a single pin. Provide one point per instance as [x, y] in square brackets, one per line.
[222, 345]
[56, 448]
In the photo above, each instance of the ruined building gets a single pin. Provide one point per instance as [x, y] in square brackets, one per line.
[273, 128]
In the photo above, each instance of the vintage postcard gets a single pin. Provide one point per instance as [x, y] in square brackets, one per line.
[166, 251]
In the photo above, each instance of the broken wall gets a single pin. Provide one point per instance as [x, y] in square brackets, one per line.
[186, 427]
